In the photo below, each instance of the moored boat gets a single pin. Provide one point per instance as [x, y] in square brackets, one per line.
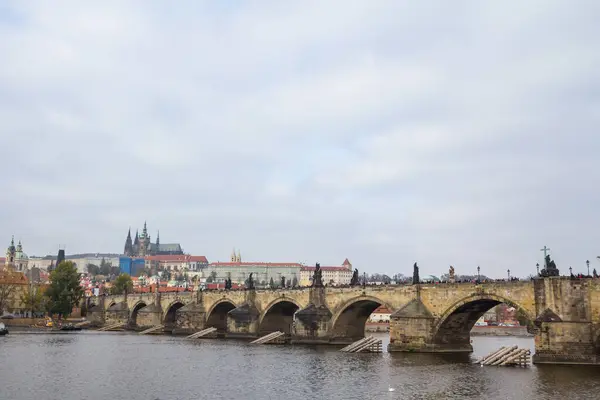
[70, 327]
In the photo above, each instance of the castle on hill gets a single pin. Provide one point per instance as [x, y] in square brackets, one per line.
[142, 246]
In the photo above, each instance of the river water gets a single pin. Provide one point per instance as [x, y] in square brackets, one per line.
[97, 365]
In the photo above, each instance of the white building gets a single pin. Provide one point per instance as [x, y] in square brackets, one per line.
[332, 276]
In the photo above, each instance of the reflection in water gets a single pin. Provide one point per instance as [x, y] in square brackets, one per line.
[128, 366]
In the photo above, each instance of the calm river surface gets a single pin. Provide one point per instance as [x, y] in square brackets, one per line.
[96, 365]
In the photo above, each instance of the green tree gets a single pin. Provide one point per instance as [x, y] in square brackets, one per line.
[64, 291]
[121, 284]
[105, 267]
[6, 291]
[93, 269]
[34, 299]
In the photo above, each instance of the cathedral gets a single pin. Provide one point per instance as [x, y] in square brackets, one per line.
[142, 246]
[15, 256]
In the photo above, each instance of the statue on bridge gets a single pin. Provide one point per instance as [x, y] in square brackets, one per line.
[354, 280]
[283, 282]
[551, 269]
[228, 284]
[250, 281]
[416, 279]
[317, 276]
[451, 278]
[595, 273]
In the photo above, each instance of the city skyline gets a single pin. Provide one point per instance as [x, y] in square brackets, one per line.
[375, 131]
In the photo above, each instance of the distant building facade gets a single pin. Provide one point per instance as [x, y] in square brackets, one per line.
[142, 245]
[332, 275]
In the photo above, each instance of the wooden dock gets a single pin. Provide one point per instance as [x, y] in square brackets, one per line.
[153, 329]
[367, 344]
[507, 356]
[202, 333]
[268, 338]
[112, 327]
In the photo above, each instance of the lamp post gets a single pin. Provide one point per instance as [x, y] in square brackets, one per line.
[537, 266]
[571, 270]
[478, 275]
[588, 265]
[508, 271]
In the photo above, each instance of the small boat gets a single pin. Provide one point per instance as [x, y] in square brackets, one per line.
[3, 330]
[70, 327]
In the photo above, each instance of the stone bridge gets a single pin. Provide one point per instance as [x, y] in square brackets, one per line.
[563, 314]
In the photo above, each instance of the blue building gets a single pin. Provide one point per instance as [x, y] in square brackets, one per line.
[131, 266]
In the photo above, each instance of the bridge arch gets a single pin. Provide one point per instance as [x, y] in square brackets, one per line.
[453, 328]
[278, 316]
[216, 316]
[348, 323]
[134, 312]
[171, 314]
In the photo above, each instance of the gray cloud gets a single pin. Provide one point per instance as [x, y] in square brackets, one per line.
[459, 133]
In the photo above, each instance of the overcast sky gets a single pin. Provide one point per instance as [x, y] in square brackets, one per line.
[387, 132]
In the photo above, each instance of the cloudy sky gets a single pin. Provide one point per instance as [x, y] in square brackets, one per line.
[387, 132]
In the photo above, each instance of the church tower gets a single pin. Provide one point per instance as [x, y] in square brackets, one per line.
[128, 251]
[239, 257]
[233, 256]
[11, 252]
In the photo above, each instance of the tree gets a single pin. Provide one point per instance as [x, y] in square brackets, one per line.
[6, 291]
[93, 269]
[64, 291]
[34, 299]
[105, 267]
[294, 282]
[122, 284]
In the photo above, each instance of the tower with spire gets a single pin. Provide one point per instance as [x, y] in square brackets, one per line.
[128, 251]
[11, 252]
[16, 257]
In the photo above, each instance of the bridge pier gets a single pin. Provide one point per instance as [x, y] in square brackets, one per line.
[566, 330]
[312, 323]
[150, 315]
[190, 319]
[411, 329]
[242, 321]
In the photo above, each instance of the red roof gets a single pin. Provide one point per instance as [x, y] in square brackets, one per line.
[305, 268]
[346, 262]
[175, 257]
[382, 310]
[254, 264]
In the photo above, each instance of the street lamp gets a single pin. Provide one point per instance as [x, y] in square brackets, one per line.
[537, 266]
[508, 274]
[588, 265]
[478, 275]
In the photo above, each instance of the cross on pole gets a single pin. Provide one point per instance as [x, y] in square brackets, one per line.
[545, 250]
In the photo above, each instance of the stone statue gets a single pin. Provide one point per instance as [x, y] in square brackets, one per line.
[228, 283]
[551, 269]
[416, 279]
[317, 276]
[451, 274]
[595, 273]
[283, 282]
[250, 281]
[354, 280]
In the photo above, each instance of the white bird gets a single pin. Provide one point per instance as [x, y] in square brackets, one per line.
[390, 389]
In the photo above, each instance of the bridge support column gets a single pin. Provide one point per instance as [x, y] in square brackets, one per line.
[412, 328]
[118, 313]
[96, 314]
[190, 318]
[151, 315]
[312, 324]
[566, 333]
[242, 321]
